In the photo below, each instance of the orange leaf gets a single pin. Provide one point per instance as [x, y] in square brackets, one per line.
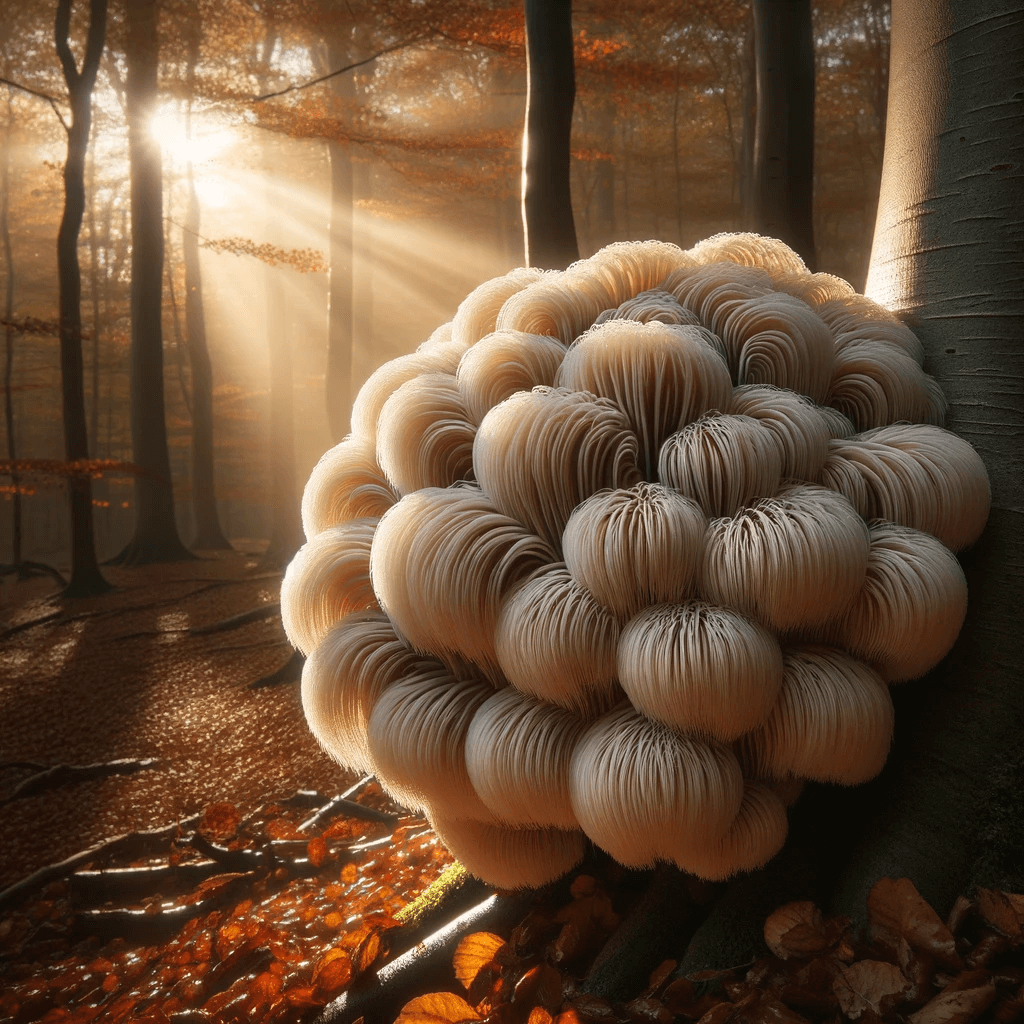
[796, 929]
[955, 1006]
[538, 1015]
[870, 985]
[436, 1008]
[316, 850]
[897, 905]
[473, 954]
[220, 821]
[998, 910]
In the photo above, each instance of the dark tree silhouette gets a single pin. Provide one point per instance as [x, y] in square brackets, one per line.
[550, 231]
[86, 577]
[156, 531]
[783, 178]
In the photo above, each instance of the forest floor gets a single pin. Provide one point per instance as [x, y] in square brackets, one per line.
[259, 898]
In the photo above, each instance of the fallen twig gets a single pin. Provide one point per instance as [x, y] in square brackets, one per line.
[266, 611]
[72, 774]
[327, 810]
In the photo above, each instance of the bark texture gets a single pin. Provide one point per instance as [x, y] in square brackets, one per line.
[156, 530]
[783, 180]
[550, 232]
[85, 574]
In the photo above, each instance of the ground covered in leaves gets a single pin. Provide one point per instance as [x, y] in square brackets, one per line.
[205, 869]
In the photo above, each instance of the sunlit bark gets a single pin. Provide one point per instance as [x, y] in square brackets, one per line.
[551, 90]
[85, 574]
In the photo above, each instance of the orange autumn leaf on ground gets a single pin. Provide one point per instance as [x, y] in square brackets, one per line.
[473, 954]
[870, 985]
[896, 905]
[436, 1008]
[798, 929]
[220, 821]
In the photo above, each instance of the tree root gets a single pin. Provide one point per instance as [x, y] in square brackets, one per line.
[26, 569]
[58, 775]
[289, 672]
[344, 804]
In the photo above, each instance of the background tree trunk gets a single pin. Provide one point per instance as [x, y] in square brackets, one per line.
[784, 135]
[86, 577]
[156, 530]
[550, 232]
[340, 312]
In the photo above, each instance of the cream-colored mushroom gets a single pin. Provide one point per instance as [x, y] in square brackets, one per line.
[540, 453]
[425, 434]
[556, 643]
[832, 722]
[912, 605]
[751, 250]
[858, 318]
[653, 305]
[723, 462]
[710, 292]
[441, 562]
[510, 858]
[700, 668]
[416, 736]
[562, 304]
[517, 753]
[794, 561]
[357, 659]
[635, 546]
[814, 289]
[503, 363]
[754, 837]
[661, 376]
[478, 311]
[797, 424]
[644, 792]
[347, 483]
[626, 269]
[328, 578]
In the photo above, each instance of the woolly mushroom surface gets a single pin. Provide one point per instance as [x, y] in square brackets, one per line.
[627, 552]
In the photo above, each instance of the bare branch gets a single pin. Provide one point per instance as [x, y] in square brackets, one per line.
[334, 74]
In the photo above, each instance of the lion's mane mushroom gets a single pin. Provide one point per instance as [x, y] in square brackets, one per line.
[673, 683]
[555, 642]
[722, 462]
[661, 376]
[793, 561]
[635, 546]
[700, 668]
[328, 578]
[541, 452]
[518, 751]
[358, 658]
[645, 792]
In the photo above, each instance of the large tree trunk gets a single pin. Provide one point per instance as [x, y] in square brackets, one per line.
[550, 93]
[85, 574]
[5, 240]
[156, 530]
[947, 258]
[784, 135]
[340, 311]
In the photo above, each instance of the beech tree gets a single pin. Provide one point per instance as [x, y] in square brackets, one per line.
[85, 574]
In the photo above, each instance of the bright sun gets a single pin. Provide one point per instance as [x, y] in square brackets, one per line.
[207, 138]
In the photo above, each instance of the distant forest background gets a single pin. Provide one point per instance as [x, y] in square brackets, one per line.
[422, 142]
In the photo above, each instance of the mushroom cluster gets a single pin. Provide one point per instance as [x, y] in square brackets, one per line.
[627, 552]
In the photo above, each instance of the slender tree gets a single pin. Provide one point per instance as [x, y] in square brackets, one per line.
[86, 577]
[156, 531]
[784, 133]
[550, 232]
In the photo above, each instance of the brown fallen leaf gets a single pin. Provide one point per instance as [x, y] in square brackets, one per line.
[869, 985]
[998, 910]
[896, 904]
[436, 1008]
[797, 929]
[955, 1006]
[473, 954]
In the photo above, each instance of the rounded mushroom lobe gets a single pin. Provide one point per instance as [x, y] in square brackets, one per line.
[540, 453]
[700, 668]
[328, 578]
[796, 423]
[662, 377]
[503, 363]
[556, 643]
[358, 658]
[347, 483]
[858, 318]
[723, 462]
[814, 289]
[754, 837]
[562, 304]
[635, 546]
[656, 304]
[751, 250]
[517, 753]
[645, 793]
[912, 605]
[478, 311]
[626, 269]
[442, 562]
[424, 434]
[522, 858]
[795, 561]
[416, 736]
[832, 722]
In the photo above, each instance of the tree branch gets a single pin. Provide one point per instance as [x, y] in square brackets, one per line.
[52, 100]
[334, 74]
